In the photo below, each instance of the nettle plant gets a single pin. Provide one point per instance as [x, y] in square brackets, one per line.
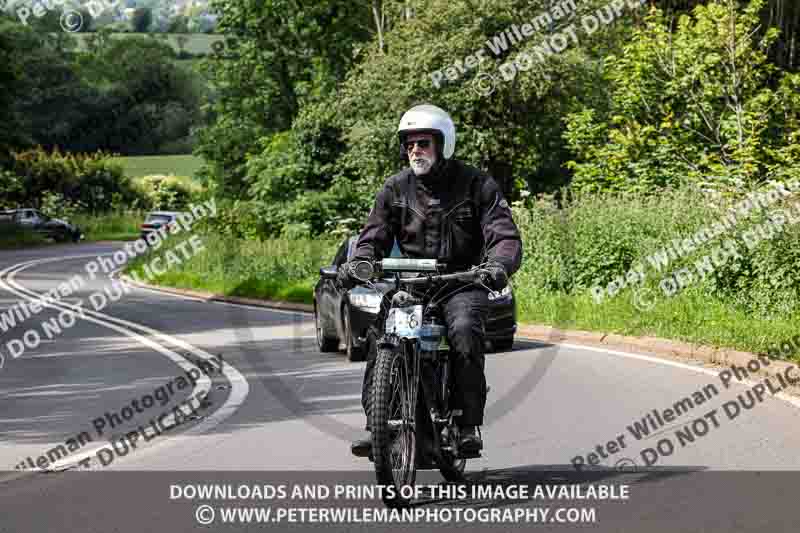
[698, 103]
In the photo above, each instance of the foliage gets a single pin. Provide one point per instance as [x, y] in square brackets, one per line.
[12, 188]
[700, 104]
[153, 100]
[345, 143]
[594, 239]
[120, 225]
[277, 55]
[273, 269]
[781, 14]
[12, 236]
[123, 95]
[616, 230]
[237, 219]
[90, 181]
[280, 170]
[141, 20]
[171, 193]
[179, 24]
[11, 88]
[56, 205]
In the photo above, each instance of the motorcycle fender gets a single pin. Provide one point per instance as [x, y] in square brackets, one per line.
[388, 341]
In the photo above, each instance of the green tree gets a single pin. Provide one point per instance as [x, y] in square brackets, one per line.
[701, 104]
[278, 53]
[141, 20]
[342, 146]
[40, 80]
[179, 24]
[11, 89]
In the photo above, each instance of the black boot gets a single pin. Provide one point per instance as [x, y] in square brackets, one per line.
[470, 440]
[362, 447]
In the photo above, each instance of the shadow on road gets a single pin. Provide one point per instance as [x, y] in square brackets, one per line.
[503, 481]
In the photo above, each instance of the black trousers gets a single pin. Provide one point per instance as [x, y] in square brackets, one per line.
[465, 314]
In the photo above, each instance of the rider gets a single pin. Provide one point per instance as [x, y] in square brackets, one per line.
[441, 208]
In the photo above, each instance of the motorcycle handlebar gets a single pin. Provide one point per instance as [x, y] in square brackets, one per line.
[468, 276]
[474, 275]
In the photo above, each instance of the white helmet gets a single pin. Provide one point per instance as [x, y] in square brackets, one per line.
[429, 119]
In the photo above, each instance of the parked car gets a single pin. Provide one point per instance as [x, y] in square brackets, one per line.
[51, 228]
[344, 317]
[155, 220]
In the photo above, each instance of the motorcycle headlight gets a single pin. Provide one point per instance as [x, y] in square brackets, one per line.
[494, 295]
[369, 302]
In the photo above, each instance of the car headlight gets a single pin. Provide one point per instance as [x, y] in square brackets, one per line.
[494, 295]
[367, 301]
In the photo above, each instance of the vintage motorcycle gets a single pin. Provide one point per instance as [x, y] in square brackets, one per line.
[410, 414]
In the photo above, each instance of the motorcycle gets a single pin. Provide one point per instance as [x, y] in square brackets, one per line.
[410, 414]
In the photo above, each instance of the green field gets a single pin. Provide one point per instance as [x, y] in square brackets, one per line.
[197, 43]
[179, 165]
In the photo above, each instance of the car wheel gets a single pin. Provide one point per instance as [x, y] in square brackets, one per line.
[354, 353]
[503, 345]
[325, 344]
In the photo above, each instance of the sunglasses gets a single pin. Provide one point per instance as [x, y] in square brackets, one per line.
[422, 143]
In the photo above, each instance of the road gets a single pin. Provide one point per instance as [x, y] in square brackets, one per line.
[246, 395]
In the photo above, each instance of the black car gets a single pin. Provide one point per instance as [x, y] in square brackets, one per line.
[53, 228]
[344, 317]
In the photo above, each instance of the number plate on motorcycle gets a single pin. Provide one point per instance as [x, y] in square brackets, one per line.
[404, 321]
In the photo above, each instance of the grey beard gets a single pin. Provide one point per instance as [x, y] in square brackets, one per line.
[422, 165]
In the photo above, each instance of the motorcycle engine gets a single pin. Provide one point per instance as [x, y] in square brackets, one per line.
[433, 335]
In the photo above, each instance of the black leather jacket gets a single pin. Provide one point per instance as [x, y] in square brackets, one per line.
[455, 214]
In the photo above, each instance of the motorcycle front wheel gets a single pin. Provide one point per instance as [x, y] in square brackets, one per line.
[394, 440]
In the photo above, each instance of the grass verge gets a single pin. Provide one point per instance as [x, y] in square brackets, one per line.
[287, 270]
[690, 317]
[274, 269]
[749, 302]
[123, 226]
[12, 237]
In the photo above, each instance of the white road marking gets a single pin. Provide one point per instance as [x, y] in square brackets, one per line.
[239, 386]
[792, 400]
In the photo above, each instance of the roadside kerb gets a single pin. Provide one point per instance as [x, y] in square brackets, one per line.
[656, 347]
[211, 297]
[661, 348]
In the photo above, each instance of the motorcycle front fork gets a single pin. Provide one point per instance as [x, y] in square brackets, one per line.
[436, 399]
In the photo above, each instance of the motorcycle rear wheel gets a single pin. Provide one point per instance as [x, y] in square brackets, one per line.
[392, 421]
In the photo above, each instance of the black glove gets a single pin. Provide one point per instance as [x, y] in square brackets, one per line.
[343, 276]
[498, 279]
